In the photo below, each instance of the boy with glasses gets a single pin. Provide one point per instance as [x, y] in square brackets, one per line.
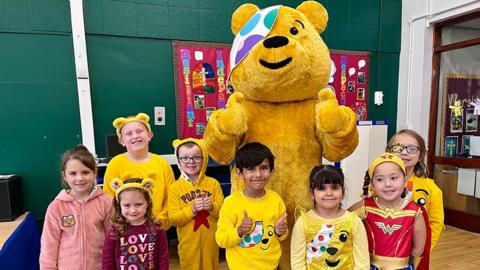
[194, 202]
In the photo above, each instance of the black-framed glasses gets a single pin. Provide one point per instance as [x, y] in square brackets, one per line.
[188, 159]
[398, 148]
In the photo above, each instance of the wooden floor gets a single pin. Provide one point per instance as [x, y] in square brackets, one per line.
[457, 249]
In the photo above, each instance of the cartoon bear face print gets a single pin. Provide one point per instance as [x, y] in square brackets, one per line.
[68, 221]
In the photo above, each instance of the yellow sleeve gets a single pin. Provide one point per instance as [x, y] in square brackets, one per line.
[361, 257]
[160, 207]
[298, 246]
[217, 198]
[177, 215]
[110, 173]
[359, 210]
[227, 234]
[435, 213]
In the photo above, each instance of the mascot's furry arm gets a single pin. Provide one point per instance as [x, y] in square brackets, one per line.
[335, 126]
[229, 125]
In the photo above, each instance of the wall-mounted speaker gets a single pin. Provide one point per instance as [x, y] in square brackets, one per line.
[11, 198]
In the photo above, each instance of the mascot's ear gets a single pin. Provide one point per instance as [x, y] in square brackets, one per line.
[241, 16]
[315, 13]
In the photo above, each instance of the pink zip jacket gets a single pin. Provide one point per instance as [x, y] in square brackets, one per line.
[74, 232]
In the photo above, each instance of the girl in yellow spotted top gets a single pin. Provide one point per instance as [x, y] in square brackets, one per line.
[194, 201]
[327, 236]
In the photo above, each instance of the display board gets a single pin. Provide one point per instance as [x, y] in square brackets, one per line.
[201, 70]
[460, 110]
[349, 78]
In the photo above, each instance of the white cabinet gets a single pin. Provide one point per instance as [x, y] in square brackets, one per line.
[372, 142]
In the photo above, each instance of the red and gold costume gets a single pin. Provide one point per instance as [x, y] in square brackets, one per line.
[390, 233]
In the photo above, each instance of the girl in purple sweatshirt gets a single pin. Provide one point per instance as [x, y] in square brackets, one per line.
[77, 219]
[135, 240]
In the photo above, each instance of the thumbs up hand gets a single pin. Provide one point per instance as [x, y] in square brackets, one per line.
[246, 225]
[281, 226]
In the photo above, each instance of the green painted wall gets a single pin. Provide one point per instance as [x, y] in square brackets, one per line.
[130, 64]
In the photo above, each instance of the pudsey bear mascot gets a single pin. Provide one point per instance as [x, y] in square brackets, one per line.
[280, 68]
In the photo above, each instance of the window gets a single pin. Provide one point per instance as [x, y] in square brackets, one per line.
[454, 131]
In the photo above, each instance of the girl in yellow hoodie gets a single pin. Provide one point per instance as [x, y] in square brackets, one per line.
[194, 202]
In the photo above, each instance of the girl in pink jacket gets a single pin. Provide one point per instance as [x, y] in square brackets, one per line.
[77, 219]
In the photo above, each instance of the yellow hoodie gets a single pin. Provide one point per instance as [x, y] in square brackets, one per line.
[197, 248]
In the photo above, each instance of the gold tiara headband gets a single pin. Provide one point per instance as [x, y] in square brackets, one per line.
[386, 157]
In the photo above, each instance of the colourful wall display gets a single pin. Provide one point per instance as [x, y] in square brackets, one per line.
[349, 79]
[201, 72]
[460, 110]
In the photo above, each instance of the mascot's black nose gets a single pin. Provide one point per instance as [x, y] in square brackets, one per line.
[275, 42]
[264, 241]
[332, 251]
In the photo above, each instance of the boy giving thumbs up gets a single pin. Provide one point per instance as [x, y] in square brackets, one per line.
[253, 221]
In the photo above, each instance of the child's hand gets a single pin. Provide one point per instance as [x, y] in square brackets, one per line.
[207, 204]
[197, 205]
[281, 226]
[246, 225]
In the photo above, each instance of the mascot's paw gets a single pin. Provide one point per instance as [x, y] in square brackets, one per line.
[233, 120]
[330, 117]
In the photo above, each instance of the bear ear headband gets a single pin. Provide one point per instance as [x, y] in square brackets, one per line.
[121, 121]
[119, 186]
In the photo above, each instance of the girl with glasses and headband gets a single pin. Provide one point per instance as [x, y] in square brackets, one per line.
[410, 147]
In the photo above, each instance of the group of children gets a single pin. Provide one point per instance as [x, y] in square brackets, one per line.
[83, 229]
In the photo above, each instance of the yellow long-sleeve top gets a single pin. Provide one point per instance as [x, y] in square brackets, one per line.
[428, 194]
[259, 250]
[197, 248]
[320, 243]
[157, 168]
[195, 232]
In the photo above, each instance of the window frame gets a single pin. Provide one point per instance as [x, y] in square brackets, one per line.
[438, 48]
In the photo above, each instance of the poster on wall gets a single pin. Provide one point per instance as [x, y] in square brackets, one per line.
[200, 71]
[349, 79]
[460, 110]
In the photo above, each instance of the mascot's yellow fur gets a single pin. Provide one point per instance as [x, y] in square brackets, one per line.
[281, 100]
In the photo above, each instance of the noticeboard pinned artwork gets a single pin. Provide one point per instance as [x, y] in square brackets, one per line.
[349, 79]
[202, 69]
[460, 110]
[201, 72]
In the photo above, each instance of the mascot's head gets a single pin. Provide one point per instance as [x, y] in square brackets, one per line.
[278, 54]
